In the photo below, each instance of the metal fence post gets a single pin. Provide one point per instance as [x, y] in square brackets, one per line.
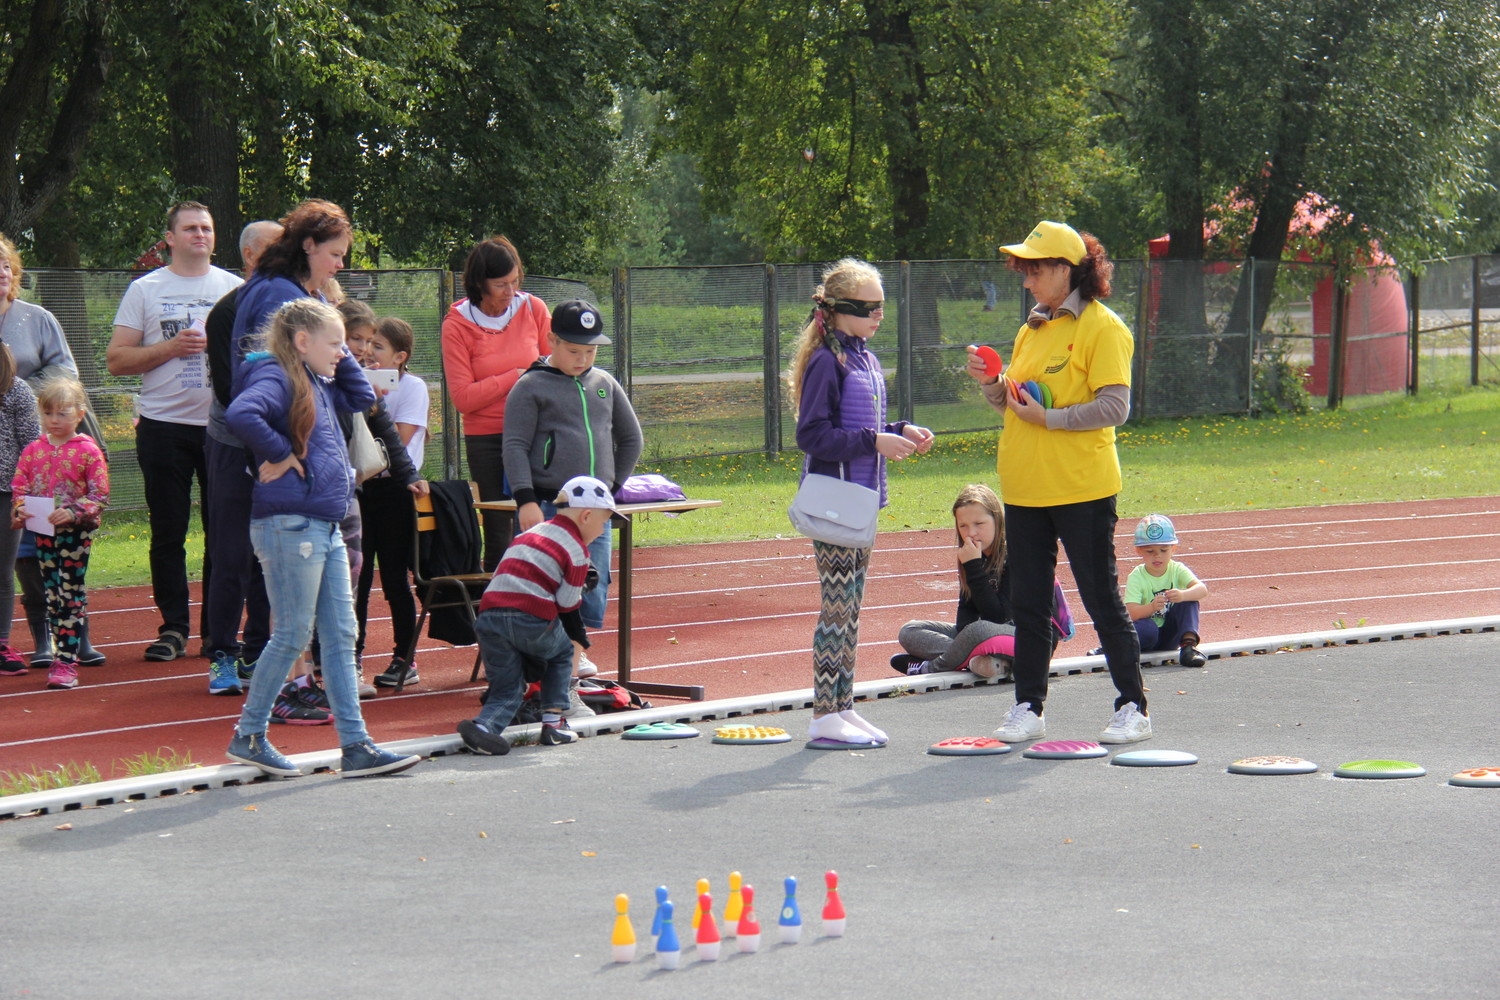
[904, 405]
[1474, 321]
[452, 432]
[620, 292]
[770, 339]
[1414, 301]
[1337, 341]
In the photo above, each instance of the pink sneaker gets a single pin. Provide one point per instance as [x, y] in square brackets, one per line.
[62, 676]
[12, 663]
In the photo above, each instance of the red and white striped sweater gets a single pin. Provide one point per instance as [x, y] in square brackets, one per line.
[543, 571]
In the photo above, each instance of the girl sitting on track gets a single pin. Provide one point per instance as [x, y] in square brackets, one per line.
[983, 599]
[841, 426]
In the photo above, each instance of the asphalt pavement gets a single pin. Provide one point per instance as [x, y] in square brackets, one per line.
[1003, 875]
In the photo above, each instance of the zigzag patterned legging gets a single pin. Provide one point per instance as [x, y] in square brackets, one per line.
[841, 578]
[65, 561]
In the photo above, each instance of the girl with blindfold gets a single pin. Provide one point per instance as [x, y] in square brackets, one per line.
[839, 390]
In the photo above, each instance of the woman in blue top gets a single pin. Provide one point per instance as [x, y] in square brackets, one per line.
[841, 426]
[286, 414]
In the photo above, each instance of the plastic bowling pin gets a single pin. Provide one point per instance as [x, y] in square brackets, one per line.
[833, 907]
[747, 933]
[623, 939]
[734, 905]
[790, 920]
[700, 888]
[661, 899]
[708, 930]
[668, 950]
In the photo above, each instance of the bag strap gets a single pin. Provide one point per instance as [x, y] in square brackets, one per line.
[807, 467]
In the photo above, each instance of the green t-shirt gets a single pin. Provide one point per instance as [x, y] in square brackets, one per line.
[1141, 587]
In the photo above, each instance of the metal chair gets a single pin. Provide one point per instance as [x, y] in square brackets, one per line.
[446, 590]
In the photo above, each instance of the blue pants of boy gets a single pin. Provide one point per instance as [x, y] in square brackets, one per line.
[1181, 619]
[508, 638]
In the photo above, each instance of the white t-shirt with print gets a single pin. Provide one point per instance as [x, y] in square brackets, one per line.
[408, 404]
[160, 305]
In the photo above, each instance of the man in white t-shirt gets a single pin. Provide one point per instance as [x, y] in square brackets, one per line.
[159, 336]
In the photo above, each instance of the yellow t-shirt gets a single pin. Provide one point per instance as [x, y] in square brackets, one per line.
[1075, 357]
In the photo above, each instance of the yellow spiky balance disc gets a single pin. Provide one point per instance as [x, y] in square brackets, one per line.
[746, 735]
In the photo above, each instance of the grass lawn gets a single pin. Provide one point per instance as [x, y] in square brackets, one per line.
[1382, 448]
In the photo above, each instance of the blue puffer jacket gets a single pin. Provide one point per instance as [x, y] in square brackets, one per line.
[258, 416]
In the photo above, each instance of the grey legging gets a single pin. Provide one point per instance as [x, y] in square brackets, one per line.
[941, 643]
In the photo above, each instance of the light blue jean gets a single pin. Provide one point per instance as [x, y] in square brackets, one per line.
[307, 582]
[508, 640]
[592, 610]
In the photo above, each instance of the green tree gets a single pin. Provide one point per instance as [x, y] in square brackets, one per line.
[888, 128]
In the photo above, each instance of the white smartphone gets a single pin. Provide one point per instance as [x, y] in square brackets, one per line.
[383, 378]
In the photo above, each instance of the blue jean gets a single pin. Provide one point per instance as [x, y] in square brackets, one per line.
[592, 611]
[307, 581]
[237, 589]
[1179, 620]
[508, 638]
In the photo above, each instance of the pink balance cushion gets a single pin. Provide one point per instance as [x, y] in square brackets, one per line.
[1000, 645]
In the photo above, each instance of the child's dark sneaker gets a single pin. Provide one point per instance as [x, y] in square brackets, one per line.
[398, 674]
[1191, 656]
[363, 759]
[917, 667]
[168, 646]
[312, 692]
[12, 663]
[554, 735]
[901, 661]
[257, 751]
[479, 739]
[62, 676]
[293, 707]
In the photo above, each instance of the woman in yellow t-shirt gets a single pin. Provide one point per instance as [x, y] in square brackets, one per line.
[1059, 472]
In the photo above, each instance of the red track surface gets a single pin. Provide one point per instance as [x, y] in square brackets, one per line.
[738, 619]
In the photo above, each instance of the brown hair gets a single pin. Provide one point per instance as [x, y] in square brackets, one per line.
[10, 253]
[1091, 277]
[7, 370]
[839, 282]
[316, 220]
[298, 316]
[356, 312]
[184, 206]
[493, 258]
[980, 495]
[398, 333]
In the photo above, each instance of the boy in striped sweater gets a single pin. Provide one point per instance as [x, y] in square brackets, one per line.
[529, 613]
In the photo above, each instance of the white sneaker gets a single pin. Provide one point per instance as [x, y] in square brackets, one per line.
[586, 667]
[576, 708]
[1127, 726]
[1021, 724]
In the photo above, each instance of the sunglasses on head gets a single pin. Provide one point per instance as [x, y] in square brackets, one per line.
[861, 308]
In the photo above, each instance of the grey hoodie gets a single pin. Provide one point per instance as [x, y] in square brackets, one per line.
[558, 427]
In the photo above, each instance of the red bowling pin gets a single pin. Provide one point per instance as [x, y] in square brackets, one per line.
[833, 907]
[708, 930]
[747, 934]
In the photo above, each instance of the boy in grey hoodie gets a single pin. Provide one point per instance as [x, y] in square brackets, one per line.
[566, 418]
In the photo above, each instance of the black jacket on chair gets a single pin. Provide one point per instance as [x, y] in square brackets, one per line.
[455, 547]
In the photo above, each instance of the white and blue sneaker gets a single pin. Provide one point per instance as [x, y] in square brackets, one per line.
[224, 675]
[362, 759]
[257, 751]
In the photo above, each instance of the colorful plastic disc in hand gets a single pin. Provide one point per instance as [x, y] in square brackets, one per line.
[993, 366]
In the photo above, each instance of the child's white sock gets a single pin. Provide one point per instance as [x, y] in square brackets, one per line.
[837, 728]
[852, 717]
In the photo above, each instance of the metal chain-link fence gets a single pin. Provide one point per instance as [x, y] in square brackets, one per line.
[703, 351]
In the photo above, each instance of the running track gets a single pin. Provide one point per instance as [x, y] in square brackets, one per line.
[738, 619]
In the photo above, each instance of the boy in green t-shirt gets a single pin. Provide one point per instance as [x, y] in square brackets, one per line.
[1162, 594]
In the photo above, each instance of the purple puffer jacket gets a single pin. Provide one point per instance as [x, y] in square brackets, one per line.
[839, 412]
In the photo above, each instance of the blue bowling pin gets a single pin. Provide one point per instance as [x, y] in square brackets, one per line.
[790, 920]
[668, 949]
[661, 899]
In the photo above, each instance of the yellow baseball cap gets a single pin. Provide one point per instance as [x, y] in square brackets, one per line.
[1049, 240]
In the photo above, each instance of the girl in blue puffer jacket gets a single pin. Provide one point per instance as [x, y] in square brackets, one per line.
[286, 414]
